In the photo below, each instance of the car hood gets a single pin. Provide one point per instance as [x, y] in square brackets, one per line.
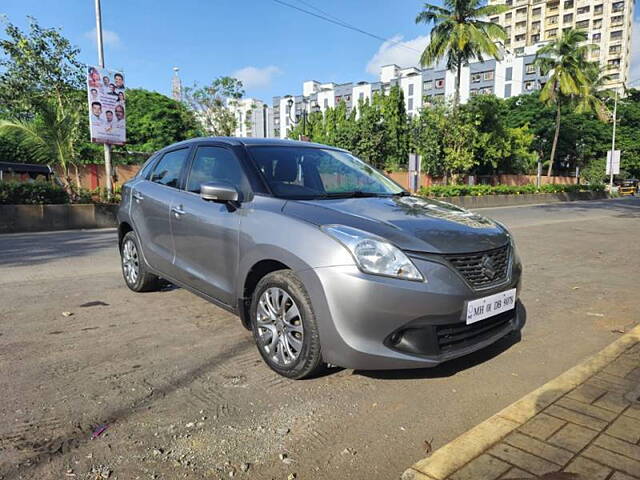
[411, 223]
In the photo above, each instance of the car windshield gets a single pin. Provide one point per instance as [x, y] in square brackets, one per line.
[309, 172]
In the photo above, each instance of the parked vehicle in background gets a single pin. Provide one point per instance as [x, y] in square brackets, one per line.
[325, 259]
[628, 187]
[24, 172]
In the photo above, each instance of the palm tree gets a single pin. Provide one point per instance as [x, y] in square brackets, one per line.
[49, 137]
[572, 79]
[461, 33]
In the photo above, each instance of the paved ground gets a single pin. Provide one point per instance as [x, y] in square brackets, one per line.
[585, 422]
[184, 392]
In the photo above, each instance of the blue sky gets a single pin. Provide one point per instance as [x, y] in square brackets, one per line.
[272, 48]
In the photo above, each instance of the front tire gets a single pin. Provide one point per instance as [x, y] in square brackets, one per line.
[134, 270]
[284, 326]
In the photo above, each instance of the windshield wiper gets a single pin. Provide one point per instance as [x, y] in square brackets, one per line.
[355, 194]
[403, 193]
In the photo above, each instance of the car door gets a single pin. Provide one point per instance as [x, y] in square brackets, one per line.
[151, 207]
[206, 233]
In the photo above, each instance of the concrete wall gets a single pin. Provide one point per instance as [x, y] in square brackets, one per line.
[37, 218]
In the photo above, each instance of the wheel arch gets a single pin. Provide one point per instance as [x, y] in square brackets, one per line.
[255, 273]
[123, 229]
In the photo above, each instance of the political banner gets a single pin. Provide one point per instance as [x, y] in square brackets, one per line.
[107, 114]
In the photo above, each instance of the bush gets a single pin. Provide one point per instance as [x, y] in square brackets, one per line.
[15, 193]
[481, 190]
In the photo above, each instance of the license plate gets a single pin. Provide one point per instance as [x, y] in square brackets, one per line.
[486, 307]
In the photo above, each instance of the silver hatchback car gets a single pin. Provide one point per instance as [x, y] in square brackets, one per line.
[325, 259]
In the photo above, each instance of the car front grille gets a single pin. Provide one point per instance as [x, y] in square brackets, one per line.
[459, 335]
[482, 269]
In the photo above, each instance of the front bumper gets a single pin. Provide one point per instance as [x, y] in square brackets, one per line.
[372, 322]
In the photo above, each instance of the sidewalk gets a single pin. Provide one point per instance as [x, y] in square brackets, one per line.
[586, 421]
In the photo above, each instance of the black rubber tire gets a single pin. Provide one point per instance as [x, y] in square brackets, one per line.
[146, 281]
[309, 362]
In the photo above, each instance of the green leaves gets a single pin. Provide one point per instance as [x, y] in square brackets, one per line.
[378, 134]
[37, 193]
[155, 121]
[483, 190]
[461, 33]
[209, 103]
[36, 65]
[50, 136]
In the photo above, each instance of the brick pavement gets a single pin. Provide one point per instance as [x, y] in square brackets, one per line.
[591, 429]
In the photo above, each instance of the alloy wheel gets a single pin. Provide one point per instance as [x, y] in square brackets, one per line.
[279, 326]
[130, 262]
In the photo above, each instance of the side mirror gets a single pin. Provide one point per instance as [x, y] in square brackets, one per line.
[219, 192]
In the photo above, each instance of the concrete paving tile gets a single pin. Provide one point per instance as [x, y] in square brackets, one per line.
[523, 460]
[619, 446]
[516, 474]
[539, 448]
[590, 410]
[586, 393]
[576, 417]
[588, 469]
[625, 428]
[612, 401]
[613, 460]
[485, 466]
[542, 426]
[573, 437]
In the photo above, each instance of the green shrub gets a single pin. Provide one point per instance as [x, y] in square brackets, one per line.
[481, 190]
[15, 193]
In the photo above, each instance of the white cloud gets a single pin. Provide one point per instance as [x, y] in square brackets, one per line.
[634, 72]
[395, 50]
[255, 77]
[109, 37]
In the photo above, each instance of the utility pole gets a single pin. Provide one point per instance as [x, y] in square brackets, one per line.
[107, 147]
[613, 139]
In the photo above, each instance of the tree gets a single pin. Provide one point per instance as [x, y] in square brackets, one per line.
[499, 148]
[571, 78]
[34, 65]
[155, 121]
[210, 105]
[461, 32]
[394, 117]
[51, 135]
[426, 137]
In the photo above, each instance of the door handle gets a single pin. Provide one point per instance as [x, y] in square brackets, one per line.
[138, 196]
[178, 211]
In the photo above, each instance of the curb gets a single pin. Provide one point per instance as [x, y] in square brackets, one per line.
[460, 451]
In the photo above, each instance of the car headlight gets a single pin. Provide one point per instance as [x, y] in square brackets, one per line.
[374, 254]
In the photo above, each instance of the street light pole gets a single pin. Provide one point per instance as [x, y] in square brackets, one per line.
[295, 119]
[613, 139]
[107, 147]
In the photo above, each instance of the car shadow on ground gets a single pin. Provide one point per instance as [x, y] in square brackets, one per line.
[29, 249]
[447, 369]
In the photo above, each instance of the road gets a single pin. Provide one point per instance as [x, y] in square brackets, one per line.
[184, 393]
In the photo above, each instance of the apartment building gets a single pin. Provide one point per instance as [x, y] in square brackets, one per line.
[252, 117]
[513, 75]
[608, 25]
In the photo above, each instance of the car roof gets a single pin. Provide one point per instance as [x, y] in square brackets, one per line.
[252, 141]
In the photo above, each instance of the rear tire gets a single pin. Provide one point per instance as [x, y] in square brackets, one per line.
[284, 326]
[134, 270]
